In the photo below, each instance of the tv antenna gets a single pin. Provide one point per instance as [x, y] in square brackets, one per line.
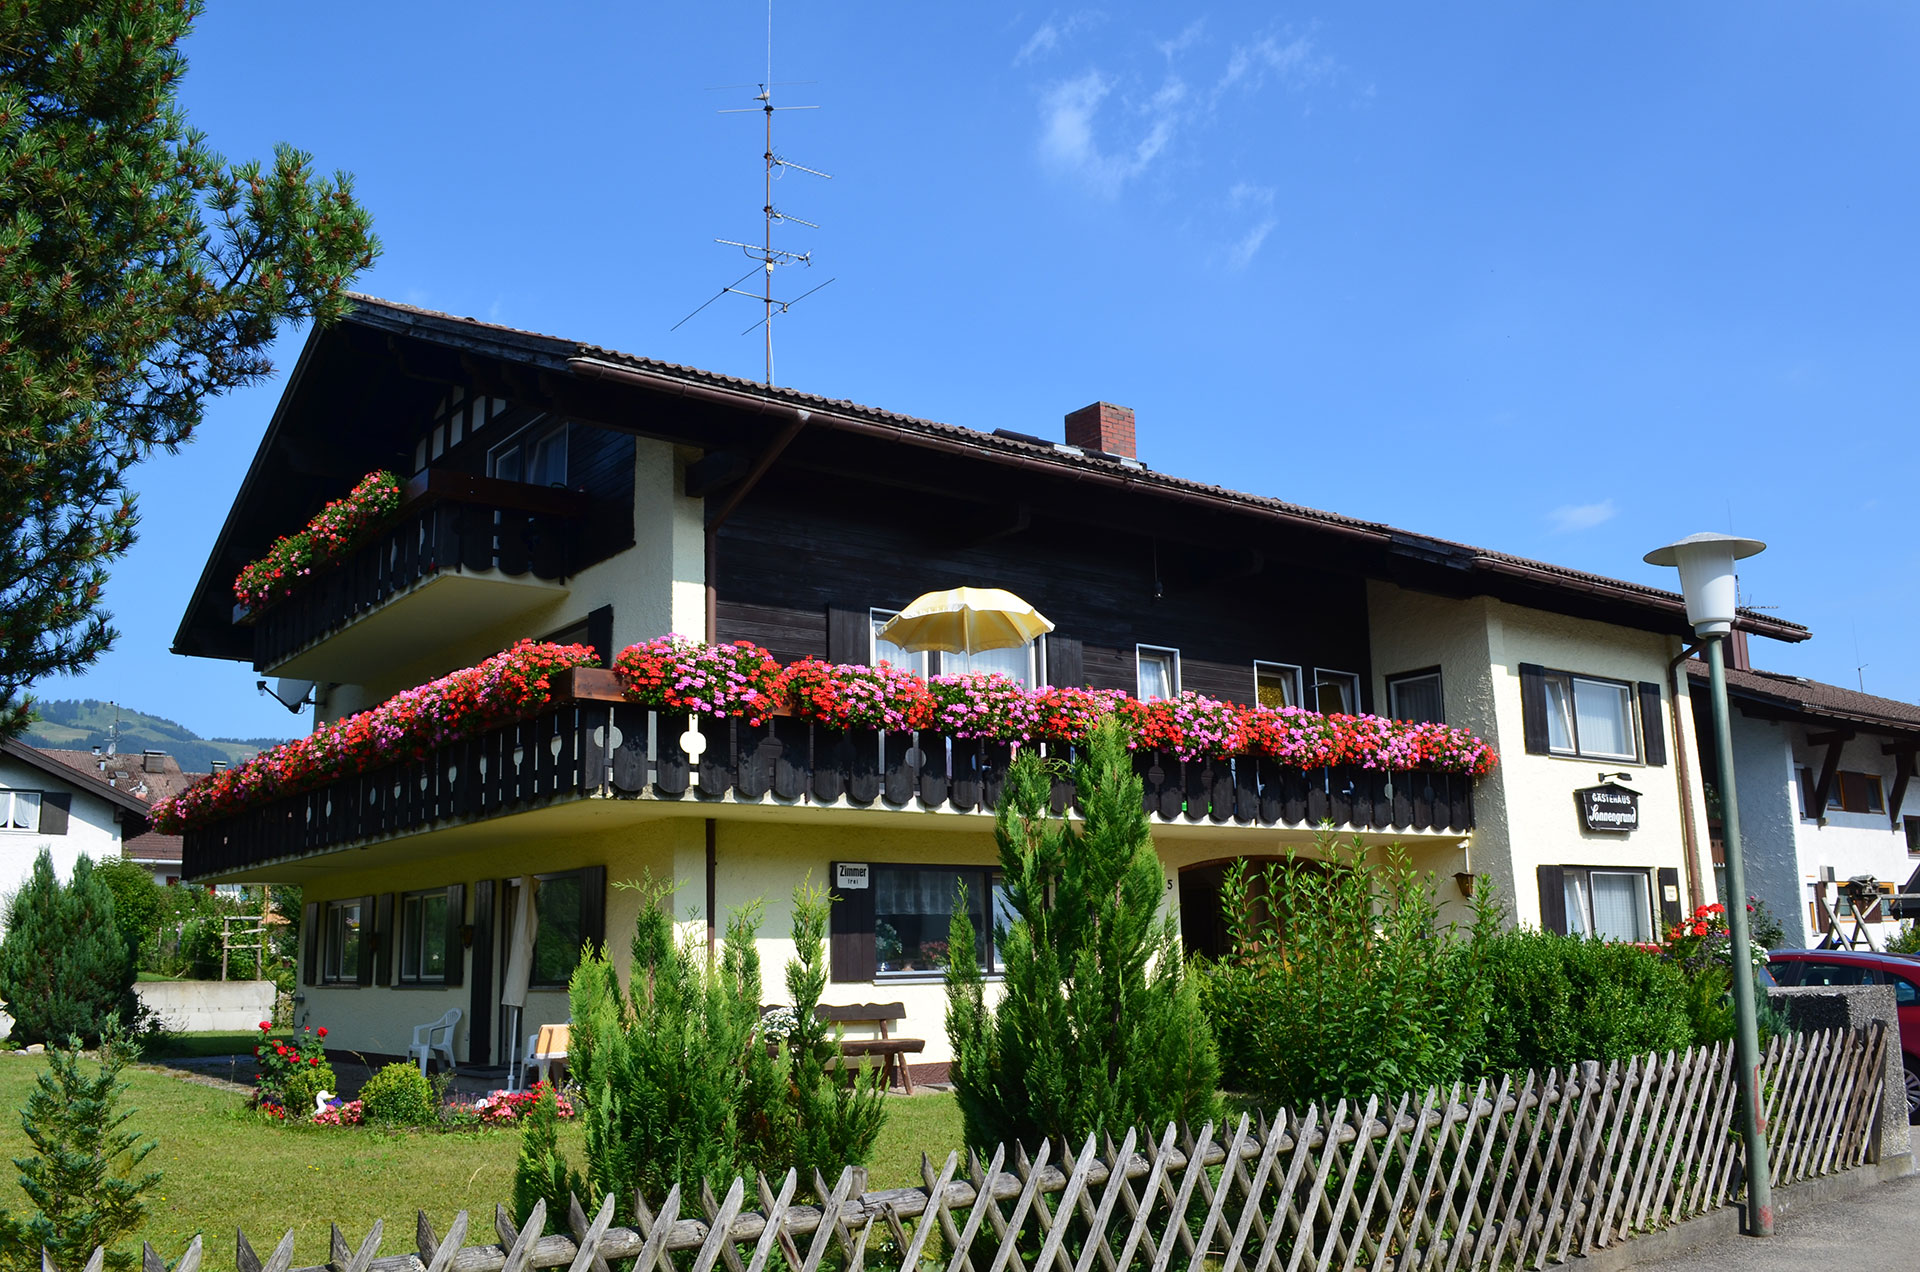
[765, 256]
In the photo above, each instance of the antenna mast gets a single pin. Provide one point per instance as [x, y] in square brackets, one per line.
[764, 254]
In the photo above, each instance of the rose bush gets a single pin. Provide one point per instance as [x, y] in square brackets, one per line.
[507, 686]
[335, 530]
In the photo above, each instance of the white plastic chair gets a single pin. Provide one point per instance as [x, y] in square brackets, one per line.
[434, 1039]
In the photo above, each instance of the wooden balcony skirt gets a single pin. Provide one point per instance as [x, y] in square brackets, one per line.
[588, 749]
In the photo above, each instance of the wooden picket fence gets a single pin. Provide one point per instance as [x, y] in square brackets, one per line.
[1519, 1174]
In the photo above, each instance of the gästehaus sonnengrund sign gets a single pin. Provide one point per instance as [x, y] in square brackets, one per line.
[1609, 807]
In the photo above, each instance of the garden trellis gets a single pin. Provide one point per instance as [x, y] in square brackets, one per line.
[1523, 1173]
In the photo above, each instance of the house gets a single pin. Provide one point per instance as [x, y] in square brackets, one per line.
[560, 490]
[47, 804]
[149, 776]
[1823, 774]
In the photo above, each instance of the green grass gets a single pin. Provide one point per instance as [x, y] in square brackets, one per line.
[224, 1167]
[212, 1044]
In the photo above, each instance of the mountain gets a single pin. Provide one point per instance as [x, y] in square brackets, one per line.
[80, 724]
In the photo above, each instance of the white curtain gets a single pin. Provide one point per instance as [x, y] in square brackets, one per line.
[1606, 719]
[1620, 906]
[1156, 676]
[1016, 663]
[1578, 924]
[1559, 715]
[915, 892]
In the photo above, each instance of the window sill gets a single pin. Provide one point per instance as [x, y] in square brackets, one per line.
[1596, 759]
[927, 978]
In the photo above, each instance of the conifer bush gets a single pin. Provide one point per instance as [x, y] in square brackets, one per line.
[542, 1173]
[65, 968]
[1100, 1029]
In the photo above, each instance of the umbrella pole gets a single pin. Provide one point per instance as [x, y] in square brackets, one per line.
[514, 1057]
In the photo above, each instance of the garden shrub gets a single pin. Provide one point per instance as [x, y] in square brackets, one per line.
[64, 969]
[138, 901]
[541, 1173]
[1907, 941]
[1341, 982]
[83, 1175]
[677, 1085]
[1557, 1000]
[1099, 1028]
[399, 1095]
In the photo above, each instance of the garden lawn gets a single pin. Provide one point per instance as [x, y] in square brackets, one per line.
[224, 1167]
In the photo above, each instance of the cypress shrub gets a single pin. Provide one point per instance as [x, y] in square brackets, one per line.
[1557, 1000]
[541, 1173]
[65, 969]
[1099, 1028]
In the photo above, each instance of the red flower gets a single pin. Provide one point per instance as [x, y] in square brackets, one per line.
[264, 1026]
[323, 1031]
[314, 1060]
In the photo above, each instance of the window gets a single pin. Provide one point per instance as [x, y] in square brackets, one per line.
[423, 937]
[1851, 792]
[1415, 695]
[343, 951]
[1276, 684]
[1589, 717]
[1835, 974]
[570, 910]
[19, 810]
[1157, 672]
[913, 913]
[1016, 663]
[538, 456]
[1904, 993]
[1335, 692]
[1912, 827]
[1614, 905]
[888, 652]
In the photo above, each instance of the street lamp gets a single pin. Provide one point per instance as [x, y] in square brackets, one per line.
[1706, 562]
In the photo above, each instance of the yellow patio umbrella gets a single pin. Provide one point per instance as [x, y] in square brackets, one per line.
[965, 620]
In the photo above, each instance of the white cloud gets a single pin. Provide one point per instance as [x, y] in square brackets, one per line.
[1180, 43]
[1068, 110]
[1257, 199]
[1294, 61]
[1571, 517]
[1052, 33]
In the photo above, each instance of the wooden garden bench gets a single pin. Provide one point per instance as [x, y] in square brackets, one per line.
[891, 1051]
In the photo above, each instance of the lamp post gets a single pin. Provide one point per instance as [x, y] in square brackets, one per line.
[1706, 562]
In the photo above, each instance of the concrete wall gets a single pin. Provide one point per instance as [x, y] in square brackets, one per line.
[1525, 815]
[207, 1006]
[93, 828]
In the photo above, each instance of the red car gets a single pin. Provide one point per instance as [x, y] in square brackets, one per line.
[1858, 967]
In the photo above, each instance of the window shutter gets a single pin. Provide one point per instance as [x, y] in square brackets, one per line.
[1653, 723]
[480, 1001]
[56, 808]
[849, 636]
[1671, 912]
[456, 916]
[1066, 662]
[850, 943]
[368, 951]
[1533, 712]
[600, 633]
[311, 931]
[593, 907]
[1553, 899]
[386, 968]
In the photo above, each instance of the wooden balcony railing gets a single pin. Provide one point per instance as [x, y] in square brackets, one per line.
[447, 521]
[591, 747]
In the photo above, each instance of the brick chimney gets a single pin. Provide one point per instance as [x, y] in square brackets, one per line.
[1102, 427]
[1737, 656]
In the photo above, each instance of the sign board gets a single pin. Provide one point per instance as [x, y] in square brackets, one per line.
[849, 876]
[1609, 807]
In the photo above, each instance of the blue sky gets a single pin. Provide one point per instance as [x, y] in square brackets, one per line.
[1565, 281]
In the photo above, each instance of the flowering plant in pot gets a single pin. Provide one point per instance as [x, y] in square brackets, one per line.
[334, 531]
[673, 673]
[1067, 714]
[510, 685]
[1191, 725]
[984, 704]
[845, 696]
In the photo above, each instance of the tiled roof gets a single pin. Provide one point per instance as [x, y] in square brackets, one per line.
[85, 779]
[1814, 698]
[1039, 448]
[152, 848]
[129, 772]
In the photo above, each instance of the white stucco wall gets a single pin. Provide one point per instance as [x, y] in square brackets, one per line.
[93, 828]
[1850, 843]
[1525, 815]
[1769, 831]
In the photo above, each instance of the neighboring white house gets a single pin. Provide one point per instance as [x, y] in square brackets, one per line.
[1822, 774]
[47, 804]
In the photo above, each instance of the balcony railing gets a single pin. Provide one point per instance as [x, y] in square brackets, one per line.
[593, 747]
[447, 521]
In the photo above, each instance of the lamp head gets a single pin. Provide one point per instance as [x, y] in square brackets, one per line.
[1706, 562]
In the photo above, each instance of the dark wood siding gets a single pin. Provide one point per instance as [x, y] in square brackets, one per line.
[788, 556]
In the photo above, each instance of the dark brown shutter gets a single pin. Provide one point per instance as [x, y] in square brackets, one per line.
[480, 1001]
[1553, 899]
[1066, 662]
[386, 968]
[310, 965]
[1653, 724]
[56, 809]
[850, 943]
[1671, 912]
[593, 907]
[600, 633]
[364, 974]
[849, 636]
[1533, 710]
[456, 916]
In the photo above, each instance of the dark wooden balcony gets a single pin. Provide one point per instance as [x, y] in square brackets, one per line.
[591, 744]
[499, 532]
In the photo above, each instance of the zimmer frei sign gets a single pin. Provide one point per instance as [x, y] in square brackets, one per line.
[1609, 807]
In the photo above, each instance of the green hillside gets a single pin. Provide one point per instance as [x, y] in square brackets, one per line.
[80, 724]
